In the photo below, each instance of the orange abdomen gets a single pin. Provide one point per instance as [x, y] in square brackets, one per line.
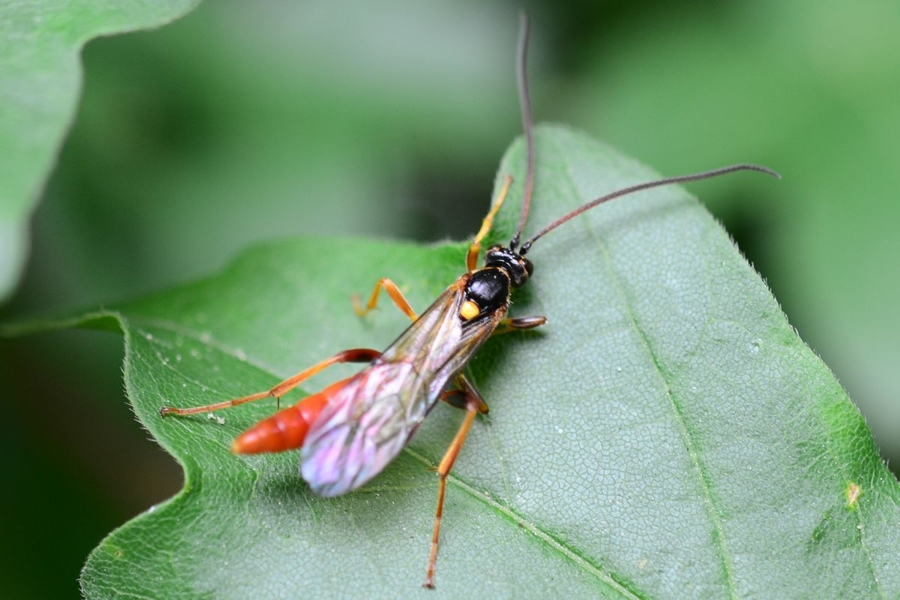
[286, 429]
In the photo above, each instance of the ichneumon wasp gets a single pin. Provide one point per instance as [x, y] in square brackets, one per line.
[353, 428]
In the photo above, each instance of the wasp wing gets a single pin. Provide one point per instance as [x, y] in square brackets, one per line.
[371, 419]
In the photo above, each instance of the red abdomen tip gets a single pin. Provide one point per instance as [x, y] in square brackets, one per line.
[285, 430]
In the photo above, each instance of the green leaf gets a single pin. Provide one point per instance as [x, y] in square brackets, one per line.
[666, 434]
[40, 79]
[825, 236]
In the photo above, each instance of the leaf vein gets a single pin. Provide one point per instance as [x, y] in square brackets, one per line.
[588, 565]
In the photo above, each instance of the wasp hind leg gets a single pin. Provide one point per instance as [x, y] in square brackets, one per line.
[279, 390]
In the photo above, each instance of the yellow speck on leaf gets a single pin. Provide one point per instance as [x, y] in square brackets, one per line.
[853, 492]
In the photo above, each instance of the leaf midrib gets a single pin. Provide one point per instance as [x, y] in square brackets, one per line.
[713, 513]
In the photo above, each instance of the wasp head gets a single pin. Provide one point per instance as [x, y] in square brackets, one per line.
[516, 266]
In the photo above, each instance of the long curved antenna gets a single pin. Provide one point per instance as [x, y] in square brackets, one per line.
[643, 186]
[527, 125]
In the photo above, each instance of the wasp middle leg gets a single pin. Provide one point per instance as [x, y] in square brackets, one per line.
[393, 292]
[520, 323]
[473, 406]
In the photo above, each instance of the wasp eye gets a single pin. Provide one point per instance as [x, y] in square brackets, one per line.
[529, 266]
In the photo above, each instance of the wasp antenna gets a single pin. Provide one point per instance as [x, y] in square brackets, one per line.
[527, 125]
[643, 186]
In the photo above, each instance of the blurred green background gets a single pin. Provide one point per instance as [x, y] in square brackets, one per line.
[243, 122]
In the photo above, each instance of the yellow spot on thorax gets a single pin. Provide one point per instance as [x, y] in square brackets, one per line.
[469, 310]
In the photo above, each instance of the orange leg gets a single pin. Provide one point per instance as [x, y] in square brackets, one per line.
[463, 393]
[355, 355]
[395, 294]
[507, 325]
[473, 407]
[475, 247]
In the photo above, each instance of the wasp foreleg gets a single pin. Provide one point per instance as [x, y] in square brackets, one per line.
[475, 246]
[354, 355]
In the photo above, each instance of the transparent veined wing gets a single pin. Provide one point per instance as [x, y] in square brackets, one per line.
[371, 419]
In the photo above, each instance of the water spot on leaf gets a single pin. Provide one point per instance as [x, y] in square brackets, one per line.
[216, 418]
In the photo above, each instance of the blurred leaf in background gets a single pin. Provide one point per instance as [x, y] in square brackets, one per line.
[53, 506]
[246, 122]
[40, 81]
